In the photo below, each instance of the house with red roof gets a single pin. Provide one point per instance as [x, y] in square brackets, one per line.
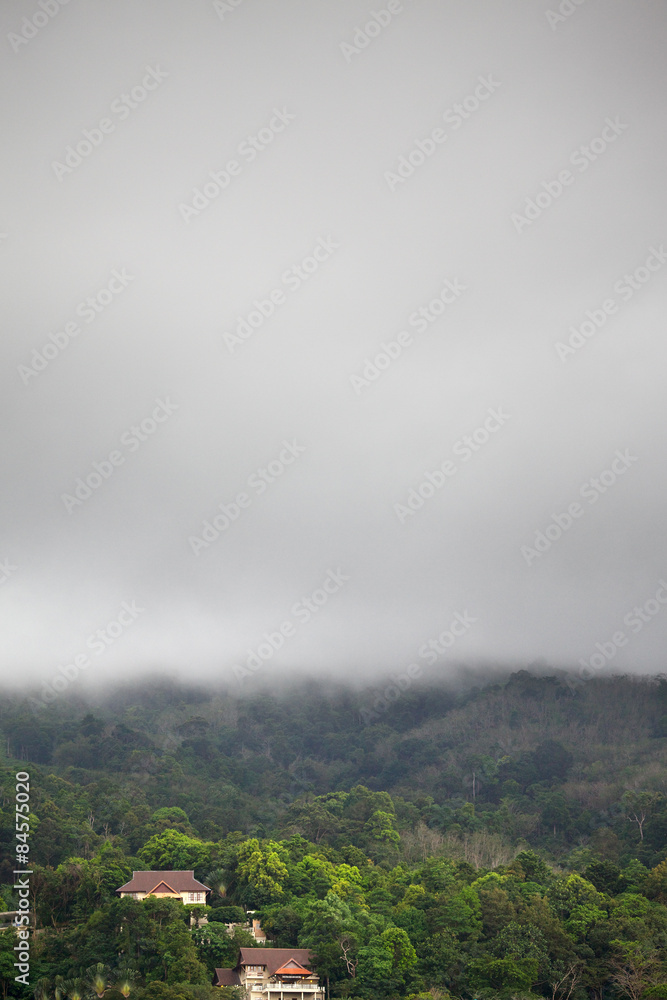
[165, 885]
[273, 974]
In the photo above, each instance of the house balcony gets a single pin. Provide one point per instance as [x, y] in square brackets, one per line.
[299, 989]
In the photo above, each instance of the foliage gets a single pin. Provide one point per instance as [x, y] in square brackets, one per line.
[372, 846]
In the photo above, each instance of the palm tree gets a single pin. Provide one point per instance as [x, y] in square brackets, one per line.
[96, 983]
[124, 980]
[42, 989]
[97, 977]
[75, 989]
[217, 881]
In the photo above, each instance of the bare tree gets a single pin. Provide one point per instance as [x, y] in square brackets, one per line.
[563, 988]
[635, 971]
[639, 806]
[422, 842]
[346, 946]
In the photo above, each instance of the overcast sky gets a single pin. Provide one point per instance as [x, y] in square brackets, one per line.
[416, 204]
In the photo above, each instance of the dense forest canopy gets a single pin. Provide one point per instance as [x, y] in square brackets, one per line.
[501, 842]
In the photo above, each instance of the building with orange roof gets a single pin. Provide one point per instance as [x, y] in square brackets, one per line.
[273, 974]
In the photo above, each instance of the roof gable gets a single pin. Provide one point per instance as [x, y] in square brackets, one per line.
[292, 968]
[176, 881]
[277, 958]
[163, 887]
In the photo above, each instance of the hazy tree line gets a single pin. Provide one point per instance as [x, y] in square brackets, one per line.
[506, 842]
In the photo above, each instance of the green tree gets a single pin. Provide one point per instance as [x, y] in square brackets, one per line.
[261, 873]
[531, 867]
[606, 877]
[8, 940]
[442, 960]
[374, 975]
[655, 885]
[398, 944]
[172, 849]
[218, 949]
[505, 975]
[161, 991]
[171, 816]
[460, 912]
[334, 934]
[312, 875]
[380, 828]
[635, 874]
[283, 924]
[318, 819]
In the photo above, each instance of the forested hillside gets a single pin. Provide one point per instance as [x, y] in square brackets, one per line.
[506, 841]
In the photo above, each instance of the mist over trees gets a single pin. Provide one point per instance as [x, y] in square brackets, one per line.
[506, 841]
